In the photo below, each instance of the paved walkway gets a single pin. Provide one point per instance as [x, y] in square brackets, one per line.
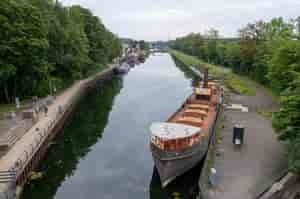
[21, 152]
[246, 172]
[25, 147]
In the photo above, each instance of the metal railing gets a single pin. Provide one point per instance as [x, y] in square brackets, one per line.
[7, 176]
[29, 152]
[32, 148]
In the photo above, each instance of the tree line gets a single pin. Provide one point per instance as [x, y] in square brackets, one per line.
[265, 51]
[45, 45]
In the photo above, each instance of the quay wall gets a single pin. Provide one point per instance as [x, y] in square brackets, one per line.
[204, 183]
[24, 156]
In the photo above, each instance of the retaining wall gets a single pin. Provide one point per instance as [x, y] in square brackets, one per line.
[18, 173]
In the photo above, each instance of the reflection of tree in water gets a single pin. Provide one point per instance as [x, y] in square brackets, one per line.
[184, 187]
[82, 131]
[188, 73]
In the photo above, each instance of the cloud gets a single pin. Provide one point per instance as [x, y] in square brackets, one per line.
[155, 20]
[155, 15]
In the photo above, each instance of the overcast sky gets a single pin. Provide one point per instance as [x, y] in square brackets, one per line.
[167, 19]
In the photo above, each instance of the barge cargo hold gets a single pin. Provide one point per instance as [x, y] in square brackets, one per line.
[180, 143]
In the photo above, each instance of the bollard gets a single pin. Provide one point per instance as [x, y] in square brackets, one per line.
[213, 177]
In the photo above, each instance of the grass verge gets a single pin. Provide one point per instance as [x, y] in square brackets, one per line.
[266, 113]
[234, 82]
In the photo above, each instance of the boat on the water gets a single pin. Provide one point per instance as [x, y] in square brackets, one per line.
[182, 141]
[142, 57]
[132, 59]
[122, 69]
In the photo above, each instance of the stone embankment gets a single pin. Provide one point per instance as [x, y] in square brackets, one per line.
[23, 156]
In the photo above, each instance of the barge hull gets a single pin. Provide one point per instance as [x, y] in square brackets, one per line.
[172, 164]
[170, 169]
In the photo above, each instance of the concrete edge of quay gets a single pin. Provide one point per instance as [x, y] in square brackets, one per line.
[16, 166]
[204, 176]
[287, 187]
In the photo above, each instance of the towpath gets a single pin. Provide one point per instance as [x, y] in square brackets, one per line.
[245, 172]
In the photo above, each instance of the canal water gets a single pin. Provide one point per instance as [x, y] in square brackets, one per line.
[103, 150]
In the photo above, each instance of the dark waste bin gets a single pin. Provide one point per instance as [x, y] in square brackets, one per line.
[238, 134]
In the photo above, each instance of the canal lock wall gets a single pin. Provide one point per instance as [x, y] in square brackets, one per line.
[15, 173]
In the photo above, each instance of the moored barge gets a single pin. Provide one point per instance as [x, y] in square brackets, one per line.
[181, 142]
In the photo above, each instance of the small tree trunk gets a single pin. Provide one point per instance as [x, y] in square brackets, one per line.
[6, 93]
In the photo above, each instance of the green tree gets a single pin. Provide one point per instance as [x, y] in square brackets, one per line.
[211, 45]
[284, 64]
[7, 71]
[233, 56]
[287, 121]
[144, 45]
[23, 47]
[42, 41]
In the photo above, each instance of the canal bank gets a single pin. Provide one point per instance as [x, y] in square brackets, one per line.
[245, 172]
[103, 150]
[17, 164]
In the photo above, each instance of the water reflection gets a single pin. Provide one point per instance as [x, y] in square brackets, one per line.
[103, 152]
[184, 187]
[82, 131]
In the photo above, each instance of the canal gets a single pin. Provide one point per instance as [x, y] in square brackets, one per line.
[103, 150]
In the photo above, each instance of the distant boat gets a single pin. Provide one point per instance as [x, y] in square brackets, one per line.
[180, 143]
[122, 69]
[132, 59]
[142, 58]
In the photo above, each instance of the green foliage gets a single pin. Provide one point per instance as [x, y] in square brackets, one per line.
[251, 54]
[232, 81]
[284, 64]
[42, 40]
[265, 113]
[238, 84]
[23, 47]
[144, 45]
[287, 121]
